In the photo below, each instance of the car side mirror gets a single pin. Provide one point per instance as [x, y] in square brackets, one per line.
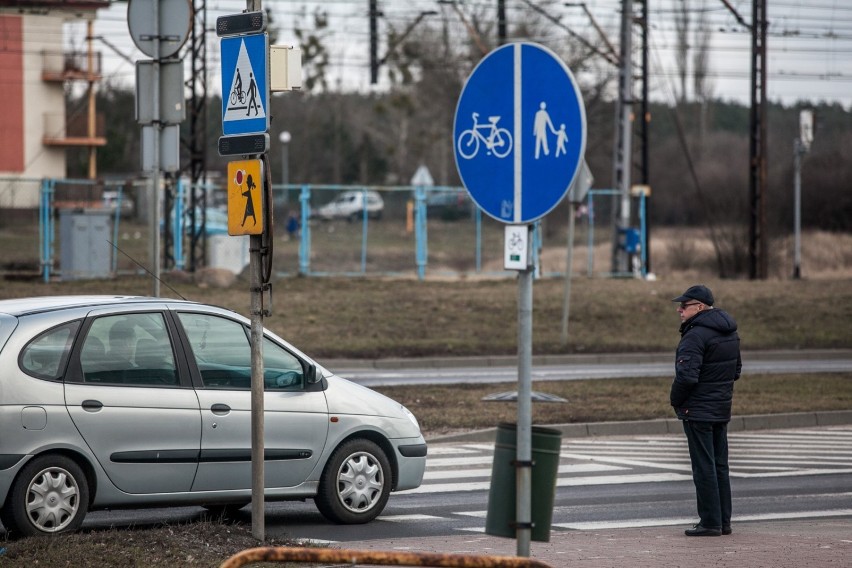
[311, 375]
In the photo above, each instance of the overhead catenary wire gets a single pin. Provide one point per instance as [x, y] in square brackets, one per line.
[798, 28]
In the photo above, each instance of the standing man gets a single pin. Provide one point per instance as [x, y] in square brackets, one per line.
[706, 365]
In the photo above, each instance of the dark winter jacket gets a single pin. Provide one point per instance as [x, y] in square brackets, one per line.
[707, 364]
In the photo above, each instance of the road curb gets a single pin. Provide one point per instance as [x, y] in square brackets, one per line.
[566, 359]
[666, 426]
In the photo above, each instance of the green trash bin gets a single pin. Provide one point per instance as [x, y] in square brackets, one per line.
[500, 520]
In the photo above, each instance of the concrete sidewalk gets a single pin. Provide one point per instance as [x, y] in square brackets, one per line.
[795, 543]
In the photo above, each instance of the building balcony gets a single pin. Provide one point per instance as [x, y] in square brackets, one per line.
[74, 131]
[61, 66]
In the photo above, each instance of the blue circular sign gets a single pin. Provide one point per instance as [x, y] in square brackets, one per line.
[519, 134]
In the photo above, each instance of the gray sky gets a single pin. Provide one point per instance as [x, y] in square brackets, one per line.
[809, 46]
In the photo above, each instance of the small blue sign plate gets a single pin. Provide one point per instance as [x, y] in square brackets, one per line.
[520, 132]
[245, 84]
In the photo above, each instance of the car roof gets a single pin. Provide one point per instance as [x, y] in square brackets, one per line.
[24, 306]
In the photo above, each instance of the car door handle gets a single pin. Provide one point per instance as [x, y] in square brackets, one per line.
[92, 405]
[220, 409]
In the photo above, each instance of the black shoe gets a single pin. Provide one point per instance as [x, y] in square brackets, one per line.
[726, 529]
[698, 530]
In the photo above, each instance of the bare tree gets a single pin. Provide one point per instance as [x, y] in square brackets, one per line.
[681, 21]
[315, 57]
[702, 85]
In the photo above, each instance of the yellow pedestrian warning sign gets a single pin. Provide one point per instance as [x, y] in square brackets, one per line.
[245, 197]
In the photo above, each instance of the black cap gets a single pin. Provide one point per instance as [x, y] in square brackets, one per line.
[698, 292]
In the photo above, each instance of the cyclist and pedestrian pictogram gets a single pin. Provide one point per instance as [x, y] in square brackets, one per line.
[245, 85]
[520, 161]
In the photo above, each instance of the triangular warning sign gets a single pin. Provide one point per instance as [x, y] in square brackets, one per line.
[244, 100]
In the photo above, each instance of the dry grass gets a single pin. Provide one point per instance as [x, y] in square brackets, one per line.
[382, 318]
[443, 410]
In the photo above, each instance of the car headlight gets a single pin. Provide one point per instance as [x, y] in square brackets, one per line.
[410, 417]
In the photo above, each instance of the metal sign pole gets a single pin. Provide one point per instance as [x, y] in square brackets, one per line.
[258, 521]
[154, 222]
[517, 174]
[523, 503]
[258, 529]
[569, 269]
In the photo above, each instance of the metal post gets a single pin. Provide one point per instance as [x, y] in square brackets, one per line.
[643, 234]
[623, 162]
[569, 269]
[177, 229]
[305, 238]
[478, 220]
[365, 219]
[116, 219]
[257, 478]
[757, 144]
[258, 524]
[798, 150]
[420, 235]
[284, 138]
[523, 503]
[46, 227]
[154, 209]
[591, 235]
[91, 129]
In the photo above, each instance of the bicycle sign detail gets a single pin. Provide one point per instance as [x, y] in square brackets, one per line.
[498, 141]
[519, 133]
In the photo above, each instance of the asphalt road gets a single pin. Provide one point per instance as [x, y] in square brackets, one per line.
[446, 373]
[602, 483]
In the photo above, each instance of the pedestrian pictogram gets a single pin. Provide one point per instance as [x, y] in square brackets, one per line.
[245, 85]
[245, 197]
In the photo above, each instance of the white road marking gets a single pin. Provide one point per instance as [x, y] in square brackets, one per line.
[486, 472]
[407, 518]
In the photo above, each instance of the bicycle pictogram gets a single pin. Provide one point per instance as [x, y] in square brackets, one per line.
[498, 141]
[238, 97]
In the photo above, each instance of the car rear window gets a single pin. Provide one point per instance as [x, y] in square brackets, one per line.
[46, 356]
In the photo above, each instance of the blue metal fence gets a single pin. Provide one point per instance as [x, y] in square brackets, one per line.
[418, 201]
[424, 240]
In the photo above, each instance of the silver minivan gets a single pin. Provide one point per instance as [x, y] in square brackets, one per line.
[122, 402]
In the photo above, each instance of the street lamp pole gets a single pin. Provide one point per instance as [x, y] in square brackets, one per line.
[284, 138]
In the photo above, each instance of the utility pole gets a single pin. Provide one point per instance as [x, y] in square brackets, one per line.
[622, 159]
[501, 22]
[644, 174]
[92, 115]
[374, 42]
[801, 145]
[198, 139]
[757, 245]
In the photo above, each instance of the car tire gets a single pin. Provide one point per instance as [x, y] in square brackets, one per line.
[356, 483]
[49, 496]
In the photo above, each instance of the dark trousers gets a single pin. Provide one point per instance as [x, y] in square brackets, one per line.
[708, 451]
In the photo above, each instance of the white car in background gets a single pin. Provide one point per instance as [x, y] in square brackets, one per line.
[125, 402]
[350, 205]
